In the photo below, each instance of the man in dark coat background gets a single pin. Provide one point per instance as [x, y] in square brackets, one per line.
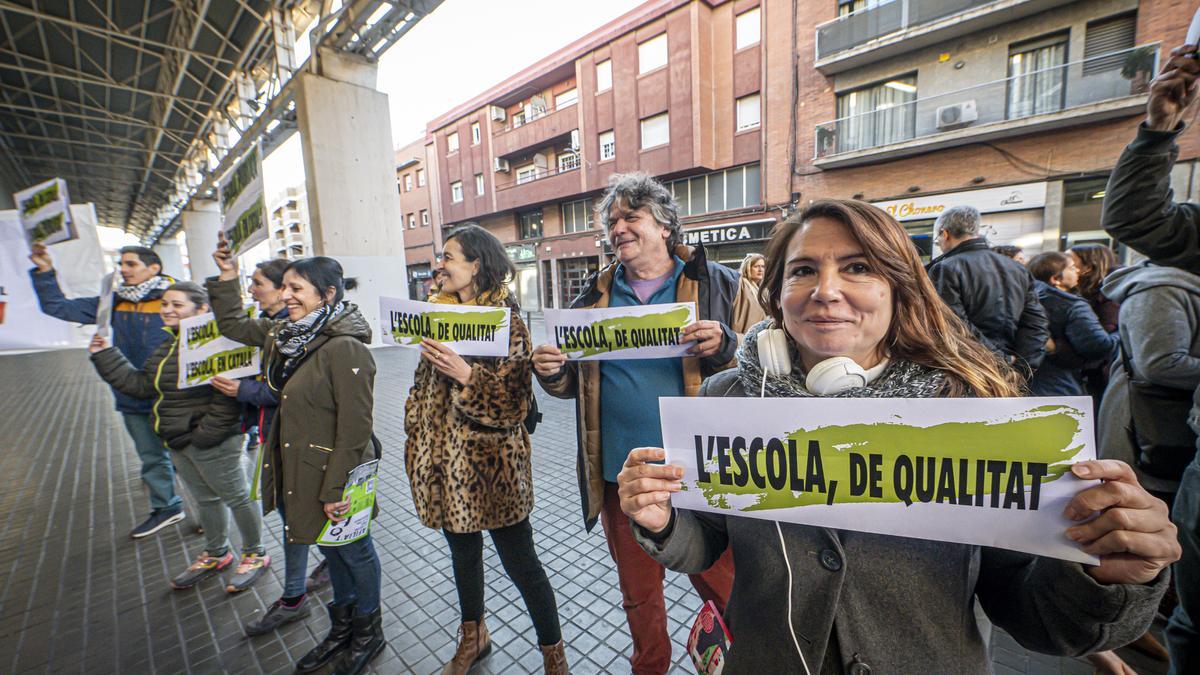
[994, 294]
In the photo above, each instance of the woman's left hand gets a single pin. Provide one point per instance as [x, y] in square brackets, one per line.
[446, 361]
[1133, 535]
[336, 511]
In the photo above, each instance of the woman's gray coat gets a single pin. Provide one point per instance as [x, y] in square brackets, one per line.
[893, 604]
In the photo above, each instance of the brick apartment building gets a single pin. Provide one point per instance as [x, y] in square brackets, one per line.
[422, 227]
[746, 109]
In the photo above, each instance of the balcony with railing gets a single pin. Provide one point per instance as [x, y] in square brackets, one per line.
[892, 27]
[1101, 87]
[537, 184]
[533, 126]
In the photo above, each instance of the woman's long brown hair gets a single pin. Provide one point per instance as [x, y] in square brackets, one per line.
[1100, 260]
[924, 330]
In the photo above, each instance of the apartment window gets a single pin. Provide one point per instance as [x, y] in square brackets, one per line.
[456, 194]
[567, 98]
[577, 216]
[877, 115]
[424, 218]
[652, 54]
[1106, 44]
[734, 188]
[656, 131]
[748, 28]
[531, 223]
[412, 222]
[452, 142]
[475, 137]
[608, 146]
[527, 173]
[408, 182]
[1037, 77]
[850, 6]
[748, 113]
[518, 118]
[604, 75]
[568, 161]
[420, 177]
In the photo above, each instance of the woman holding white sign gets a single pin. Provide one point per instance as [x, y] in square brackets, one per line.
[318, 364]
[860, 319]
[200, 426]
[468, 452]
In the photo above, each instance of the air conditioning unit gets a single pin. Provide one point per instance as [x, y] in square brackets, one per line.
[497, 113]
[574, 140]
[957, 115]
[500, 165]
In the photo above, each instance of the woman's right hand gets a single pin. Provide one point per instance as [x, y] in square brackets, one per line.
[645, 489]
[224, 258]
[40, 257]
[98, 344]
[548, 360]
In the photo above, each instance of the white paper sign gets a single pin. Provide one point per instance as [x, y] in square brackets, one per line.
[204, 354]
[467, 329]
[243, 216]
[990, 472]
[104, 305]
[634, 332]
[45, 212]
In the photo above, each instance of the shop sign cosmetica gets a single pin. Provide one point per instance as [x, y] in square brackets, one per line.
[989, 472]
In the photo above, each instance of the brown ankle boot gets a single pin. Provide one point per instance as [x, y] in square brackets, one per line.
[474, 643]
[554, 659]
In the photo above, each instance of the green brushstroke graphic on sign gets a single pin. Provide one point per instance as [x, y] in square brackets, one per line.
[411, 328]
[660, 329]
[969, 463]
[198, 336]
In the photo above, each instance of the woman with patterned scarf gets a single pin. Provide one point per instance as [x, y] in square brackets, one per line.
[318, 363]
[843, 280]
[468, 453]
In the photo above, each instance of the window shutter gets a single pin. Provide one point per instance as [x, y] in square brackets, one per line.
[1105, 37]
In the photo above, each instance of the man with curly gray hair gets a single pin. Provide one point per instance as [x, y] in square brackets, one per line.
[617, 401]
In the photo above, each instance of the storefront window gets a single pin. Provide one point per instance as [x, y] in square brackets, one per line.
[573, 274]
[531, 224]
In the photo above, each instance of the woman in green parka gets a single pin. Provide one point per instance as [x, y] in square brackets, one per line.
[318, 363]
[201, 427]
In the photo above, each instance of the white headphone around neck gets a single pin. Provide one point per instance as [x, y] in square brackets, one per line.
[831, 376]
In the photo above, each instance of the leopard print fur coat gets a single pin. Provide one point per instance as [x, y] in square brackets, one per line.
[467, 454]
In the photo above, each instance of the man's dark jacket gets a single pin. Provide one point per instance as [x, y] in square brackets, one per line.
[995, 295]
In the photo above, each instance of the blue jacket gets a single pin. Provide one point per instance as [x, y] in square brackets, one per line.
[1078, 339]
[137, 329]
[257, 399]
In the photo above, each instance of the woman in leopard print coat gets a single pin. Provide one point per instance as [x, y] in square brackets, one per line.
[468, 453]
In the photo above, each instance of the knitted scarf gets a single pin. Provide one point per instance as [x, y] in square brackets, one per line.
[497, 297]
[139, 292]
[294, 336]
[901, 379]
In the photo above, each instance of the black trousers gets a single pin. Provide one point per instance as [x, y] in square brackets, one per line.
[515, 546]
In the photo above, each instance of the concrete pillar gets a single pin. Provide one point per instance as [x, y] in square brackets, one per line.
[201, 223]
[170, 250]
[1052, 216]
[354, 215]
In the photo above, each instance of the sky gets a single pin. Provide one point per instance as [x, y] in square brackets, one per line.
[461, 49]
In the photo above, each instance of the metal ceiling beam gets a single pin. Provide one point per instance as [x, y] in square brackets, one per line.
[112, 34]
[51, 141]
[99, 163]
[48, 69]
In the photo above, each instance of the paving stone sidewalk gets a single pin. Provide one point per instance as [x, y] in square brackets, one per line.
[78, 596]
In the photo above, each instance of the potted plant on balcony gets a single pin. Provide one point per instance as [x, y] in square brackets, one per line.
[1139, 68]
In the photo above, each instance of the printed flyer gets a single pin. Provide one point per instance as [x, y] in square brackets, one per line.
[991, 472]
[467, 329]
[204, 354]
[45, 213]
[635, 332]
[360, 492]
